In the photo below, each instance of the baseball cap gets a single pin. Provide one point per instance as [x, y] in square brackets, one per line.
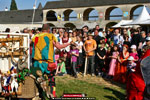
[148, 39]
[131, 58]
[133, 47]
[70, 31]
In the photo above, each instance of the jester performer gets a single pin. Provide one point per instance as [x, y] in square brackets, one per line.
[138, 83]
[43, 55]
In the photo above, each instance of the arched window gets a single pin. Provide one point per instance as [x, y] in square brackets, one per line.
[113, 13]
[51, 16]
[136, 10]
[70, 15]
[90, 14]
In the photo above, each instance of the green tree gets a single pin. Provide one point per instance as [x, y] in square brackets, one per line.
[13, 5]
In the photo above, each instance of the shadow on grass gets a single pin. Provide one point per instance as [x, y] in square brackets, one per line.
[123, 86]
[118, 94]
[110, 98]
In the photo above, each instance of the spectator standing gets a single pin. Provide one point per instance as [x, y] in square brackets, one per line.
[113, 62]
[121, 68]
[136, 39]
[79, 44]
[74, 36]
[61, 33]
[101, 53]
[143, 39]
[131, 65]
[90, 47]
[134, 53]
[148, 41]
[54, 31]
[117, 38]
[74, 56]
[97, 38]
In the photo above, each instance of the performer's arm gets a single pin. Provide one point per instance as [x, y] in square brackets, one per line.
[60, 46]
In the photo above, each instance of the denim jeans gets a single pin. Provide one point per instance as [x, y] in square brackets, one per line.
[74, 65]
[90, 63]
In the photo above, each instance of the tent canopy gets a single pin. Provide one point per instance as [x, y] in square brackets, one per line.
[122, 22]
[144, 16]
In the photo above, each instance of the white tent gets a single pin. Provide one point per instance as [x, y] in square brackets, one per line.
[122, 22]
[141, 18]
[146, 22]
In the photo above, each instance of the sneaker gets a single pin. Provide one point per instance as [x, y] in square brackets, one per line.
[99, 74]
[76, 76]
[93, 75]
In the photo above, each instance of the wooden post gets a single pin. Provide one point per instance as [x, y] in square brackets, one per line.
[85, 67]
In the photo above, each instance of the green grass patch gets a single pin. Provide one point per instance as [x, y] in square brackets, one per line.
[100, 91]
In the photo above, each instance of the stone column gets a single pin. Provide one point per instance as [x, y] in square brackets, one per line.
[44, 15]
[126, 11]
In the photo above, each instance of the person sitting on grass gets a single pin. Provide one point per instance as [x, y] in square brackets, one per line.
[61, 68]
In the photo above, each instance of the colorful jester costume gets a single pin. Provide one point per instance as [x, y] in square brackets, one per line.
[43, 50]
[43, 54]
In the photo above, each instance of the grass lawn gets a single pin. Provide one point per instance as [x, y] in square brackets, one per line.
[92, 86]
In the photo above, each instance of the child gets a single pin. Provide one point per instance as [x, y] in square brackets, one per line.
[79, 47]
[113, 57]
[134, 53]
[108, 59]
[131, 65]
[74, 55]
[61, 69]
[101, 41]
[57, 52]
[101, 53]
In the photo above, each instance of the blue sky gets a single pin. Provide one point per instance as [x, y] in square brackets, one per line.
[22, 4]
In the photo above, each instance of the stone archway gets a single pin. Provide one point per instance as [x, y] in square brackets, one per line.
[70, 25]
[88, 16]
[51, 16]
[69, 15]
[110, 24]
[132, 14]
[113, 13]
[51, 25]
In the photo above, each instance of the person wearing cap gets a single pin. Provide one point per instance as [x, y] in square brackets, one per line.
[43, 50]
[148, 41]
[89, 48]
[134, 53]
[131, 64]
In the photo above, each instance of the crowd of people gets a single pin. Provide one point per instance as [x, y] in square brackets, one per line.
[113, 53]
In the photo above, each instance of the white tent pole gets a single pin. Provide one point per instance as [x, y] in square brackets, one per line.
[34, 7]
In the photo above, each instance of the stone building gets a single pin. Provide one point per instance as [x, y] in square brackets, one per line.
[57, 13]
